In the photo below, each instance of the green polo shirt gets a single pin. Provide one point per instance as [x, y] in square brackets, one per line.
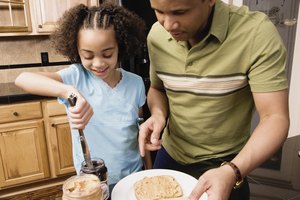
[209, 86]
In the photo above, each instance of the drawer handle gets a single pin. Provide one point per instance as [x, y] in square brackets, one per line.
[53, 125]
[16, 114]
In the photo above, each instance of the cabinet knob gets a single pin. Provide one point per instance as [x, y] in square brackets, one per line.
[16, 114]
[53, 125]
[40, 26]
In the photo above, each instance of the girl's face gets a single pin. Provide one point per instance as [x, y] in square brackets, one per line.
[98, 51]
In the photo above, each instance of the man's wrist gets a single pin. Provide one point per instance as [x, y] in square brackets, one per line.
[237, 172]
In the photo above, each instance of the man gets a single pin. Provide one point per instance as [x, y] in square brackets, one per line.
[211, 65]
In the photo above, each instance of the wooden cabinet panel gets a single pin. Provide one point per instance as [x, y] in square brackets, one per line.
[61, 145]
[59, 139]
[23, 153]
[35, 145]
[48, 12]
[53, 108]
[34, 17]
[15, 16]
[22, 111]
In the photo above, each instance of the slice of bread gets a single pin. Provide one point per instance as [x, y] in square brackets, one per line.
[157, 187]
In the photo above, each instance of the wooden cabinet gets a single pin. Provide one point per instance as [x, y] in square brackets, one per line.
[34, 17]
[61, 145]
[15, 16]
[19, 112]
[23, 150]
[35, 146]
[48, 12]
[58, 138]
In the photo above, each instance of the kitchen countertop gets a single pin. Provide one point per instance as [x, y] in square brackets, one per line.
[8, 89]
[10, 93]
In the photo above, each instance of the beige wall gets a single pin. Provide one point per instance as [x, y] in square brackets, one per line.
[294, 87]
[25, 50]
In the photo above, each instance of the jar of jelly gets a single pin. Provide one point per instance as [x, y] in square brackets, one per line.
[99, 169]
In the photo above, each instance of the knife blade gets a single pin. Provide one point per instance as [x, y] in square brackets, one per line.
[84, 145]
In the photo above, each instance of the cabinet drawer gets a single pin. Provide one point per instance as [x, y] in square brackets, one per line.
[53, 108]
[22, 111]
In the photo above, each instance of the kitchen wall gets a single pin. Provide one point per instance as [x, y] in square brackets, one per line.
[24, 50]
[20, 51]
[294, 87]
[235, 2]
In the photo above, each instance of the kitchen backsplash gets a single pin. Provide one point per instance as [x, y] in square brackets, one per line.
[25, 50]
[17, 52]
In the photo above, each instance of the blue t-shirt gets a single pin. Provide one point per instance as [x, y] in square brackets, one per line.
[112, 131]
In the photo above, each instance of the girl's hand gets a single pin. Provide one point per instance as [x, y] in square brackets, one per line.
[81, 113]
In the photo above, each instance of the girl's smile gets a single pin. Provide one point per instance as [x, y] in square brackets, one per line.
[99, 71]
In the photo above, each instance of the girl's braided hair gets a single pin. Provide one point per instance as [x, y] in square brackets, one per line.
[129, 29]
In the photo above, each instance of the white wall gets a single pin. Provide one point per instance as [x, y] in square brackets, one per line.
[235, 2]
[294, 90]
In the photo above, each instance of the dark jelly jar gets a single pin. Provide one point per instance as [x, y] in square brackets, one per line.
[99, 169]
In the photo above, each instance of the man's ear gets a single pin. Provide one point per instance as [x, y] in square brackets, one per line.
[212, 2]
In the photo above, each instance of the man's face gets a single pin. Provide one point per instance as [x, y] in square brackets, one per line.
[183, 19]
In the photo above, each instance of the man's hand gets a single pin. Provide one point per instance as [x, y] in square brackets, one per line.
[149, 134]
[217, 183]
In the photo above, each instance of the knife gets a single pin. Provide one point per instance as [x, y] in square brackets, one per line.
[85, 148]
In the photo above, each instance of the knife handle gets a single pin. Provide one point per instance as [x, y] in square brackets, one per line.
[72, 99]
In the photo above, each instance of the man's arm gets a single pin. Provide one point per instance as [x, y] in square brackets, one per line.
[157, 102]
[266, 139]
[270, 133]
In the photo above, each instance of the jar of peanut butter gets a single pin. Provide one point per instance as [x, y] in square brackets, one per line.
[82, 187]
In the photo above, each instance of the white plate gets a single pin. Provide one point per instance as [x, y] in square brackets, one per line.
[124, 188]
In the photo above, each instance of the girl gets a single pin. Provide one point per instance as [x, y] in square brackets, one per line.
[109, 99]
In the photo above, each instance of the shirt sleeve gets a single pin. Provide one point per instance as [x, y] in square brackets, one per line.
[268, 58]
[142, 94]
[69, 76]
[154, 79]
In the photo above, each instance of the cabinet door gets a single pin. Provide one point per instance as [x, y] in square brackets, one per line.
[23, 153]
[15, 16]
[48, 12]
[61, 145]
